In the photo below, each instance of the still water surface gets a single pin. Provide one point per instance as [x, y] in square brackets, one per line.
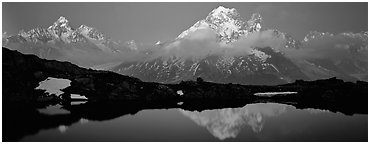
[253, 122]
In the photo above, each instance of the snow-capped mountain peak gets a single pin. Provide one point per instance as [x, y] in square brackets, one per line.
[227, 24]
[62, 33]
[36, 34]
[84, 29]
[91, 32]
[61, 22]
[61, 28]
[223, 13]
[62, 19]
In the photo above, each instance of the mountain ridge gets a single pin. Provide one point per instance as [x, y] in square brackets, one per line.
[86, 46]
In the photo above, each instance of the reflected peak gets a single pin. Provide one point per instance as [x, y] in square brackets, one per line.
[227, 123]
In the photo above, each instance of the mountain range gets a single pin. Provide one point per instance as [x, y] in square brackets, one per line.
[222, 48]
[85, 45]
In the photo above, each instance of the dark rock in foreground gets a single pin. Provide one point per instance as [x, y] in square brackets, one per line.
[112, 95]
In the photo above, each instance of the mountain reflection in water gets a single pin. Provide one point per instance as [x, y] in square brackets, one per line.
[226, 123]
[253, 122]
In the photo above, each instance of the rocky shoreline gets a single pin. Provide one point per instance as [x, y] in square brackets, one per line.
[111, 95]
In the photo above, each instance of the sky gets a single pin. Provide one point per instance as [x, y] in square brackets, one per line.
[152, 22]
